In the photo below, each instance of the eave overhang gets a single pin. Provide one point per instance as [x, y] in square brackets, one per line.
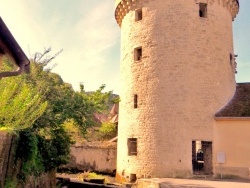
[10, 47]
[232, 118]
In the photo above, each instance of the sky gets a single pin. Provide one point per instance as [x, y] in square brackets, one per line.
[87, 32]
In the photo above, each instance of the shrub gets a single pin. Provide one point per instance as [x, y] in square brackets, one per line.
[108, 130]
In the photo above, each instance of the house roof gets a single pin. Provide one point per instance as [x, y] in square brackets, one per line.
[115, 109]
[239, 106]
[8, 45]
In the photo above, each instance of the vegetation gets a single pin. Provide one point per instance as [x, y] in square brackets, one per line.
[37, 106]
[20, 104]
[108, 130]
[10, 183]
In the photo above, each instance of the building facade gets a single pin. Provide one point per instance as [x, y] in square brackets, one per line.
[177, 70]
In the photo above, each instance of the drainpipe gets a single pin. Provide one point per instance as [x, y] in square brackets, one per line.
[20, 70]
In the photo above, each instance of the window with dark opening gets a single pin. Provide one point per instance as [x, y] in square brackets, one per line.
[231, 58]
[135, 101]
[138, 54]
[138, 14]
[203, 10]
[132, 146]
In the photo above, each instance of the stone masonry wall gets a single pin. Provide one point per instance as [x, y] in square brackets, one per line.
[183, 78]
[96, 156]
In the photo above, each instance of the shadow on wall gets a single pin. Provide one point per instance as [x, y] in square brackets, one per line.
[93, 156]
[75, 167]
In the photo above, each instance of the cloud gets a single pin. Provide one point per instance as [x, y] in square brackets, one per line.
[87, 32]
[95, 35]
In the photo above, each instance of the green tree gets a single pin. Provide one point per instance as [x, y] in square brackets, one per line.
[49, 103]
[20, 103]
[89, 103]
[63, 104]
[108, 130]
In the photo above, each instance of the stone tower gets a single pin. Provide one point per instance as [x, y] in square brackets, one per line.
[177, 70]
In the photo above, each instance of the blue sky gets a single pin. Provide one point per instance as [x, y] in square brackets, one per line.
[241, 27]
[87, 32]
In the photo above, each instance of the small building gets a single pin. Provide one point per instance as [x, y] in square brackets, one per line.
[10, 48]
[232, 135]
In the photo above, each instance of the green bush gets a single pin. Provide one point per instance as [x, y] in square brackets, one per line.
[28, 153]
[108, 130]
[39, 154]
[10, 183]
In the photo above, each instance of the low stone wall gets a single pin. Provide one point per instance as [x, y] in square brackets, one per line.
[93, 156]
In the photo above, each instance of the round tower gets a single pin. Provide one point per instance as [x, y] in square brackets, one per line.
[177, 70]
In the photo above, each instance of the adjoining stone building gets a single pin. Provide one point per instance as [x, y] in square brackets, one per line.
[177, 71]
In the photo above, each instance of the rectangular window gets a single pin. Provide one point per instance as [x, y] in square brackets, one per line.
[135, 101]
[138, 14]
[132, 146]
[203, 10]
[138, 54]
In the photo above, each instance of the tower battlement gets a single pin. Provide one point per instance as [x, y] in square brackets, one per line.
[124, 6]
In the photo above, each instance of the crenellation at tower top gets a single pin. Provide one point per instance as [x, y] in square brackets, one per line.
[124, 6]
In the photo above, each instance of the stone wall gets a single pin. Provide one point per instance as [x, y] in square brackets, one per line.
[94, 156]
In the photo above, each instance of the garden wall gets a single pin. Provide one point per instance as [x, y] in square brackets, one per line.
[94, 156]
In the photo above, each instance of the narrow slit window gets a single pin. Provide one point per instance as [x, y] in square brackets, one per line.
[138, 14]
[138, 54]
[203, 10]
[231, 58]
[132, 146]
[135, 101]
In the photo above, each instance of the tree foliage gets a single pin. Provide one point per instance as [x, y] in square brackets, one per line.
[63, 105]
[108, 130]
[45, 102]
[20, 104]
